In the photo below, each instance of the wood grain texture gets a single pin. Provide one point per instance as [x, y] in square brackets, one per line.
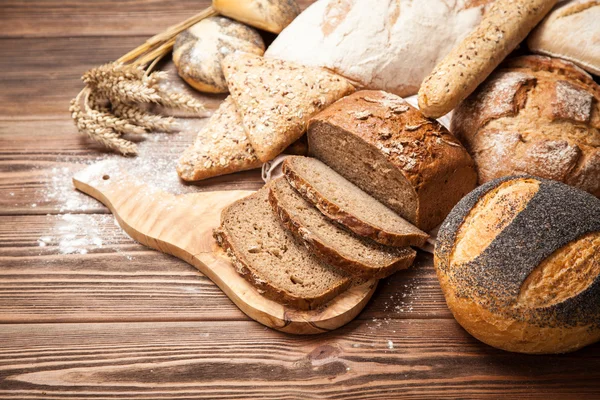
[182, 225]
[219, 352]
[117, 279]
[359, 361]
[42, 18]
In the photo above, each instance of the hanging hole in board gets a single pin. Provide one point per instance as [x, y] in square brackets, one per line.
[106, 177]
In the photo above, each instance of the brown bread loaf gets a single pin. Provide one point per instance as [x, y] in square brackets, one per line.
[269, 257]
[336, 246]
[346, 204]
[518, 260]
[535, 115]
[390, 150]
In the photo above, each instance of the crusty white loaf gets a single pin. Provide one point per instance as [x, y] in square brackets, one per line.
[572, 32]
[518, 260]
[385, 44]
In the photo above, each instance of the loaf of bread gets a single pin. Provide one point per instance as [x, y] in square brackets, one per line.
[535, 115]
[469, 63]
[518, 260]
[269, 15]
[199, 50]
[277, 98]
[571, 32]
[388, 148]
[220, 148]
[268, 256]
[360, 257]
[345, 203]
[378, 44]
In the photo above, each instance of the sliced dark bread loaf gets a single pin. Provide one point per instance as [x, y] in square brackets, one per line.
[390, 150]
[345, 203]
[269, 257]
[333, 244]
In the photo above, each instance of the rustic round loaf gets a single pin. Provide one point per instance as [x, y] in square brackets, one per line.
[198, 51]
[534, 115]
[270, 15]
[518, 260]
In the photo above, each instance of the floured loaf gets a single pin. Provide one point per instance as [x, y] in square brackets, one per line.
[385, 44]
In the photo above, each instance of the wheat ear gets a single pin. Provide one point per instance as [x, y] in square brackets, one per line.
[140, 117]
[101, 134]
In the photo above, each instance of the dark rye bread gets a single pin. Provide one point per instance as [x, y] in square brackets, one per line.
[524, 252]
[336, 246]
[345, 203]
[268, 256]
[392, 151]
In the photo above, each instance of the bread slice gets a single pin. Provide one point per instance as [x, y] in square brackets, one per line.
[221, 147]
[343, 202]
[338, 247]
[269, 257]
[277, 98]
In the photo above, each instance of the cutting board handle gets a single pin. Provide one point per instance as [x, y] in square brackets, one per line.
[182, 225]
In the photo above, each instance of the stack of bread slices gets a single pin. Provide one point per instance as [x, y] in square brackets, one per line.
[329, 222]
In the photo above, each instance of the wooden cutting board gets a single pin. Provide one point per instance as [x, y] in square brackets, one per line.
[182, 225]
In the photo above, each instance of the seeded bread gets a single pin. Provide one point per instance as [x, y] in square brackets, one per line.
[390, 150]
[346, 204]
[269, 257]
[277, 98]
[534, 115]
[518, 260]
[220, 148]
[500, 31]
[338, 247]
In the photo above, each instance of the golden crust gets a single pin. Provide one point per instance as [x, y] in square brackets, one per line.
[504, 295]
[535, 115]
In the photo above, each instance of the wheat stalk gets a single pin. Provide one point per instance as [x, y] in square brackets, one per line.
[126, 82]
[108, 137]
[140, 117]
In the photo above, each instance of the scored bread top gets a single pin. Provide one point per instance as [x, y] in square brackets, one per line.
[338, 247]
[269, 257]
[539, 227]
[345, 203]
[277, 98]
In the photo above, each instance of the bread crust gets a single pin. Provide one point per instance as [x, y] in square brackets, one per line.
[199, 50]
[535, 115]
[484, 294]
[353, 223]
[329, 254]
[244, 268]
[566, 33]
[434, 163]
[501, 30]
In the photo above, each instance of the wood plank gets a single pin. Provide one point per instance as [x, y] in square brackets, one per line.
[54, 18]
[38, 160]
[84, 268]
[44, 79]
[213, 360]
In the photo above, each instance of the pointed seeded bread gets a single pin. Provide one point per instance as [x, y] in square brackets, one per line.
[335, 245]
[277, 98]
[268, 256]
[221, 147]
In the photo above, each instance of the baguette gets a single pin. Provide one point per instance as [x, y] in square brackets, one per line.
[501, 30]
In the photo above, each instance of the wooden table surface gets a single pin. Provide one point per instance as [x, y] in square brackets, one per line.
[85, 312]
